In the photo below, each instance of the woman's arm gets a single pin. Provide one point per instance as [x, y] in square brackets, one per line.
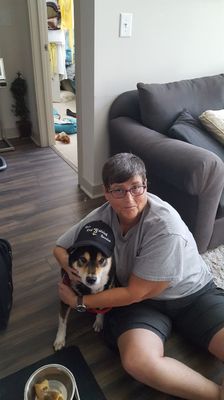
[62, 257]
[137, 290]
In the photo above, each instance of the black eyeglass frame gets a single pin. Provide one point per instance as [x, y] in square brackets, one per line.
[125, 191]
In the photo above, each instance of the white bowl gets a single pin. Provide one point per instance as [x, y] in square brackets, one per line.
[59, 377]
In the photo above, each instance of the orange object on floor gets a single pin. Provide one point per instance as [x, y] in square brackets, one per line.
[62, 137]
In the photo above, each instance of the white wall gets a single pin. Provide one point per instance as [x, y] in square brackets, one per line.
[16, 52]
[171, 40]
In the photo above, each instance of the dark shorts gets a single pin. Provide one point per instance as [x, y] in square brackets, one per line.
[196, 317]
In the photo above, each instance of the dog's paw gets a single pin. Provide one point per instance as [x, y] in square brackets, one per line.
[97, 327]
[58, 344]
[98, 324]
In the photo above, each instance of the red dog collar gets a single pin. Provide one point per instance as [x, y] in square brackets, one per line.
[99, 310]
[66, 279]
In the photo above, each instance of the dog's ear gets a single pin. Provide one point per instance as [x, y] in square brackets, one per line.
[73, 255]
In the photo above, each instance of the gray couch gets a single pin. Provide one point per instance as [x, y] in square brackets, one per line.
[188, 176]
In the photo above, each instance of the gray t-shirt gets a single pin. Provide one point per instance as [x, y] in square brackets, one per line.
[159, 248]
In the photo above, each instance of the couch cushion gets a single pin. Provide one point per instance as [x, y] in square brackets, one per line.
[190, 130]
[213, 120]
[160, 104]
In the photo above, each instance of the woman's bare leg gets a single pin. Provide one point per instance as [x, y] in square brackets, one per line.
[142, 356]
[216, 345]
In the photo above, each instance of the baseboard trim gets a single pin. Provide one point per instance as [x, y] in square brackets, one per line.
[10, 133]
[35, 141]
[92, 191]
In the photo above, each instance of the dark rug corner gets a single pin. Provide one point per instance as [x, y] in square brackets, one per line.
[12, 386]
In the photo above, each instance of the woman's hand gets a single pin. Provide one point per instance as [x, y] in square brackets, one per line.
[67, 295]
[73, 274]
[62, 257]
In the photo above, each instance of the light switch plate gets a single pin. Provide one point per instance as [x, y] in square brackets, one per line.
[125, 24]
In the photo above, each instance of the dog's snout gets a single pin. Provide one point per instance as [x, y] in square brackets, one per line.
[91, 280]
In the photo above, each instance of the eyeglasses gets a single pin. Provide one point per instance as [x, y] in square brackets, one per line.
[121, 193]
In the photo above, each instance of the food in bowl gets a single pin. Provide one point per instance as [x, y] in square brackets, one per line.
[51, 382]
[43, 391]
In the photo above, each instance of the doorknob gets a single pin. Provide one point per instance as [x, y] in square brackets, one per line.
[46, 47]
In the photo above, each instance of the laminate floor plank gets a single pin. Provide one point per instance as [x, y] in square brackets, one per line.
[40, 199]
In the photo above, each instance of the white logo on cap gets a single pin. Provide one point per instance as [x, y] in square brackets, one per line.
[96, 231]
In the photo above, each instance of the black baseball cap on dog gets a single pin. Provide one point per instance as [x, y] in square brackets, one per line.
[97, 234]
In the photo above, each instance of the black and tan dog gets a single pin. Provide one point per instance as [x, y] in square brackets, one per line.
[92, 259]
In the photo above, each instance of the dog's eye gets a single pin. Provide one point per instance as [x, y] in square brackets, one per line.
[101, 261]
[82, 260]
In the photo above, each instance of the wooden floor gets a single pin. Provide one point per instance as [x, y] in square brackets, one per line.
[39, 200]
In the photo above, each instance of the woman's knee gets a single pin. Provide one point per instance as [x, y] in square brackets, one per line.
[216, 345]
[129, 361]
[137, 354]
[139, 364]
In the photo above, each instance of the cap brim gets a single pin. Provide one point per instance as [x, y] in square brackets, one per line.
[87, 243]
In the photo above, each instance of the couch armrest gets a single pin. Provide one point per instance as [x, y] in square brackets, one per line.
[190, 169]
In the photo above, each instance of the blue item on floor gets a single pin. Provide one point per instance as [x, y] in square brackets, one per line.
[67, 124]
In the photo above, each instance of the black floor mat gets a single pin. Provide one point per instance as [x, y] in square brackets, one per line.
[12, 386]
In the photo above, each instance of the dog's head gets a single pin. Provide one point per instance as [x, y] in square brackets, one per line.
[91, 255]
[94, 267]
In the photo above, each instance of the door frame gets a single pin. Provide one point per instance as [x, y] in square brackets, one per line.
[37, 11]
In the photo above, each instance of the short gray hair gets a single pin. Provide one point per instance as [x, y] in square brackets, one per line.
[121, 167]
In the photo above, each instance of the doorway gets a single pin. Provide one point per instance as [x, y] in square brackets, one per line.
[61, 34]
